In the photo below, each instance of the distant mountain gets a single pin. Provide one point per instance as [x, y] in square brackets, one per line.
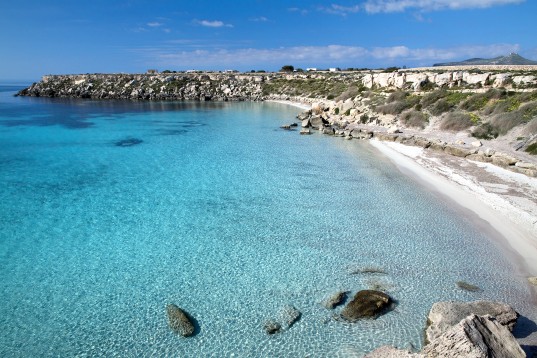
[512, 59]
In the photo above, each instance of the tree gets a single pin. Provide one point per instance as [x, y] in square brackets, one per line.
[287, 68]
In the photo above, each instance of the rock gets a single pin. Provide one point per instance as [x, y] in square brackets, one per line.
[305, 123]
[444, 315]
[286, 127]
[385, 136]
[460, 142]
[475, 337]
[328, 130]
[479, 158]
[335, 300]
[179, 321]
[272, 327]
[366, 304]
[305, 131]
[288, 315]
[317, 122]
[458, 151]
[467, 286]
[525, 165]
[129, 142]
[503, 160]
[477, 144]
[422, 142]
[391, 352]
[393, 130]
[533, 280]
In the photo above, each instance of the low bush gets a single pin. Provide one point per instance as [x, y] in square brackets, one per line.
[397, 96]
[351, 92]
[441, 106]
[532, 149]
[431, 98]
[456, 121]
[414, 119]
[531, 127]
[485, 131]
[478, 101]
[504, 122]
[397, 102]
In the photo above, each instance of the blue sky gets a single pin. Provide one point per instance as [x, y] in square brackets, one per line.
[54, 37]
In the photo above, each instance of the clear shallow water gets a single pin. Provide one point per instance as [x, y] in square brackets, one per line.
[223, 214]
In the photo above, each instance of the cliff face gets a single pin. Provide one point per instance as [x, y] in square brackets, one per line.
[202, 87]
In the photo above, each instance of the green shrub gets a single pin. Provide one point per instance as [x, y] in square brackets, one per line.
[454, 98]
[504, 122]
[456, 121]
[441, 106]
[350, 92]
[336, 111]
[532, 148]
[485, 131]
[432, 97]
[528, 110]
[414, 119]
[397, 102]
[364, 118]
[478, 101]
[397, 96]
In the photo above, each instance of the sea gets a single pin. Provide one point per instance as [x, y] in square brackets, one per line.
[111, 210]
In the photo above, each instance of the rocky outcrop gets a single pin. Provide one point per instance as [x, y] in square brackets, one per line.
[366, 304]
[443, 315]
[181, 86]
[472, 337]
[475, 337]
[179, 321]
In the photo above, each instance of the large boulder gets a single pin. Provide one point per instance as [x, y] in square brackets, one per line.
[475, 337]
[366, 304]
[179, 321]
[444, 315]
[392, 352]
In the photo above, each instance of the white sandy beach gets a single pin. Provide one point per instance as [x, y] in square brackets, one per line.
[503, 199]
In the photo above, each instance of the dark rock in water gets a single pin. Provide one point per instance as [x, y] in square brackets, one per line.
[179, 321]
[272, 327]
[287, 127]
[366, 304]
[293, 124]
[336, 299]
[467, 286]
[289, 315]
[129, 142]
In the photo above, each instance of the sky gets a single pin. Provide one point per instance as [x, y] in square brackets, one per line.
[105, 36]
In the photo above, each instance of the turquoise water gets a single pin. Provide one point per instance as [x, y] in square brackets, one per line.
[111, 210]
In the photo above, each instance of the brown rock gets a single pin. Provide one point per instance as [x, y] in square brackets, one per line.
[366, 304]
[179, 321]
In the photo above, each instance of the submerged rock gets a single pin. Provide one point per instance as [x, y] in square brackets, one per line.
[272, 327]
[179, 321]
[336, 299]
[289, 315]
[129, 142]
[467, 286]
[366, 304]
[444, 315]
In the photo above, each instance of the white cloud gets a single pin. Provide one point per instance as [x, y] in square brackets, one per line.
[215, 23]
[376, 6]
[331, 55]
[154, 24]
[259, 19]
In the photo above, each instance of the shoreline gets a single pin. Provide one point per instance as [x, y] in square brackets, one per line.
[517, 239]
[511, 225]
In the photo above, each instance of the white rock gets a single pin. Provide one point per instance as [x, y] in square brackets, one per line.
[477, 144]
[475, 337]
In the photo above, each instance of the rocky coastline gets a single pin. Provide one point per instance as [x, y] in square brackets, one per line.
[348, 104]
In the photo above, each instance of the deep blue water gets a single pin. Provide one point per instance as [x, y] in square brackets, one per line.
[111, 210]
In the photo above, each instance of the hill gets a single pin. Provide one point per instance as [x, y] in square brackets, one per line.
[512, 59]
